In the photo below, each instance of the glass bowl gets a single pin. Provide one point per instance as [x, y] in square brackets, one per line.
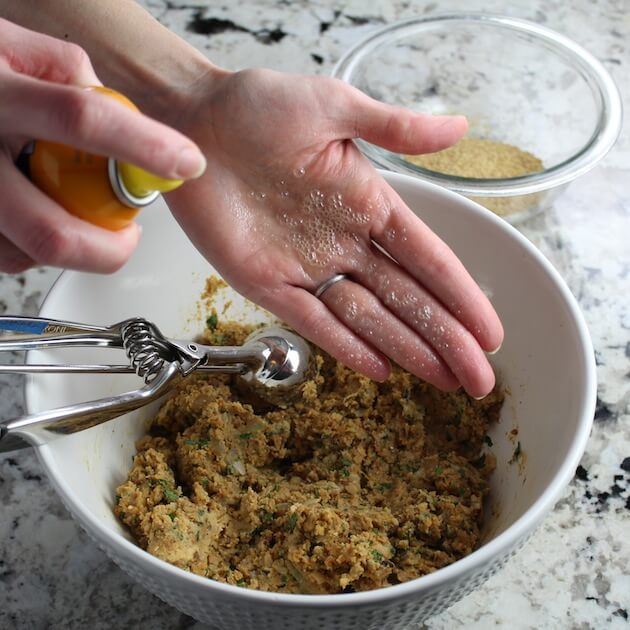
[517, 82]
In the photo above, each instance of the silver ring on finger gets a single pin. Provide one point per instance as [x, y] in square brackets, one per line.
[324, 286]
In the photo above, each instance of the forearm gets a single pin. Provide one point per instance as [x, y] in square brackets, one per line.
[130, 50]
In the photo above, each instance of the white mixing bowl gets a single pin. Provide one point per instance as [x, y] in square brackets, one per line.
[546, 363]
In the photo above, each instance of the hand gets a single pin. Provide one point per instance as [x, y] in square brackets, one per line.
[40, 83]
[288, 201]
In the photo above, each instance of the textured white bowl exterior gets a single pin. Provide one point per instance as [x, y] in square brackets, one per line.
[546, 362]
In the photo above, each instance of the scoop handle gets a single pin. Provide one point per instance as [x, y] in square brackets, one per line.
[30, 333]
[43, 427]
[42, 325]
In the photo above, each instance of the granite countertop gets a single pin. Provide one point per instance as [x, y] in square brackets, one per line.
[573, 573]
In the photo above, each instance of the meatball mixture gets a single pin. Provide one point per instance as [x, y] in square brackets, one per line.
[350, 485]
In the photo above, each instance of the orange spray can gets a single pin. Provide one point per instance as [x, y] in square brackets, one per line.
[95, 188]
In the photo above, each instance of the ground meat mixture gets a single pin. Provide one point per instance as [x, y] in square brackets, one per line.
[353, 485]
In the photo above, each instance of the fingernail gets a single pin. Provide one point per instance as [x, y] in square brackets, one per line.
[451, 122]
[480, 397]
[496, 349]
[191, 163]
[449, 119]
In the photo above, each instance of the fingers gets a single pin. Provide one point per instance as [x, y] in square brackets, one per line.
[12, 259]
[42, 99]
[95, 123]
[309, 317]
[434, 265]
[44, 57]
[399, 129]
[46, 234]
[427, 319]
[361, 311]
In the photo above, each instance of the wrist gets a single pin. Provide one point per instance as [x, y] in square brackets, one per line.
[167, 88]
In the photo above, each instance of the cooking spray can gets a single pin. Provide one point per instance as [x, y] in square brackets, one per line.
[95, 188]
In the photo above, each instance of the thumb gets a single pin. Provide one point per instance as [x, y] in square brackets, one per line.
[401, 130]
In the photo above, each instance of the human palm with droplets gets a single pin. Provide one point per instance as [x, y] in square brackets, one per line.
[287, 201]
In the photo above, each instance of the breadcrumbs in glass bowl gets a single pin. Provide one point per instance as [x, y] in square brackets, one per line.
[542, 110]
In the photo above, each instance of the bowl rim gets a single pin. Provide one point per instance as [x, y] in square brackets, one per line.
[497, 547]
[603, 87]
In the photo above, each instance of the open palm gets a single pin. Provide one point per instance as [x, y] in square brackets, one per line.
[287, 201]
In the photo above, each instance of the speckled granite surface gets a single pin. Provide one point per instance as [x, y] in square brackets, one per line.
[574, 572]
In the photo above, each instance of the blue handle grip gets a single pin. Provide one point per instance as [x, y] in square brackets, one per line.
[25, 326]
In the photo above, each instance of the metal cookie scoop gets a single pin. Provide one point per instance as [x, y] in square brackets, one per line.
[271, 358]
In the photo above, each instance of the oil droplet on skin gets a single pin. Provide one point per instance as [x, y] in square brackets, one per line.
[299, 172]
[383, 283]
[322, 228]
